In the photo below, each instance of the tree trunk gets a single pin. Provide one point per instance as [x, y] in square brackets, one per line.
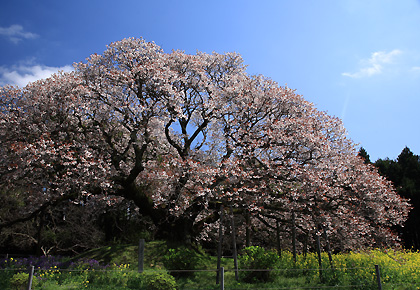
[177, 231]
[278, 238]
[294, 236]
[39, 234]
[171, 228]
[247, 229]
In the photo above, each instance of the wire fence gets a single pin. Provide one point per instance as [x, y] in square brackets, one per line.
[91, 276]
[284, 279]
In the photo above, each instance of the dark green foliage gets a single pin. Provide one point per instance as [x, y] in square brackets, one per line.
[19, 281]
[257, 258]
[56, 230]
[364, 155]
[405, 174]
[181, 259]
[158, 281]
[122, 223]
[115, 254]
[135, 281]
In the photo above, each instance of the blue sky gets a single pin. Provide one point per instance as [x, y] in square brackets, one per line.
[358, 60]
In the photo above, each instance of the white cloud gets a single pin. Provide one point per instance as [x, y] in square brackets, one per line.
[15, 33]
[375, 64]
[23, 74]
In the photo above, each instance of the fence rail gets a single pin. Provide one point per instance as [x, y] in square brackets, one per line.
[315, 278]
[33, 273]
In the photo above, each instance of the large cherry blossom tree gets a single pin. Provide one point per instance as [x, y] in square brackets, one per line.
[181, 135]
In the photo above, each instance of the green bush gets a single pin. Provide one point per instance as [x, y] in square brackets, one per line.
[181, 259]
[135, 280]
[5, 277]
[19, 281]
[158, 281]
[259, 259]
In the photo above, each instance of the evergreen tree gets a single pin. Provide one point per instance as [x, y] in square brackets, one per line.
[405, 174]
[364, 155]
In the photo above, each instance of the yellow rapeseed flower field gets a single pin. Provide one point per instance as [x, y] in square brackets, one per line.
[397, 267]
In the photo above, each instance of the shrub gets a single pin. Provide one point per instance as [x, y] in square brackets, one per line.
[181, 259]
[19, 281]
[257, 258]
[158, 281]
[135, 280]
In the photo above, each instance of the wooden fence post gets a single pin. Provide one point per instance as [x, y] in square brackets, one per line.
[141, 255]
[31, 275]
[378, 277]
[222, 278]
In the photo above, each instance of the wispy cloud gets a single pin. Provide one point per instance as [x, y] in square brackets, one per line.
[21, 75]
[375, 64]
[15, 33]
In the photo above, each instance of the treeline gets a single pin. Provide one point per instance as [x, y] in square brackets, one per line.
[404, 172]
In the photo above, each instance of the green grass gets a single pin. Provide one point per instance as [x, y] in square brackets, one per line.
[128, 254]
